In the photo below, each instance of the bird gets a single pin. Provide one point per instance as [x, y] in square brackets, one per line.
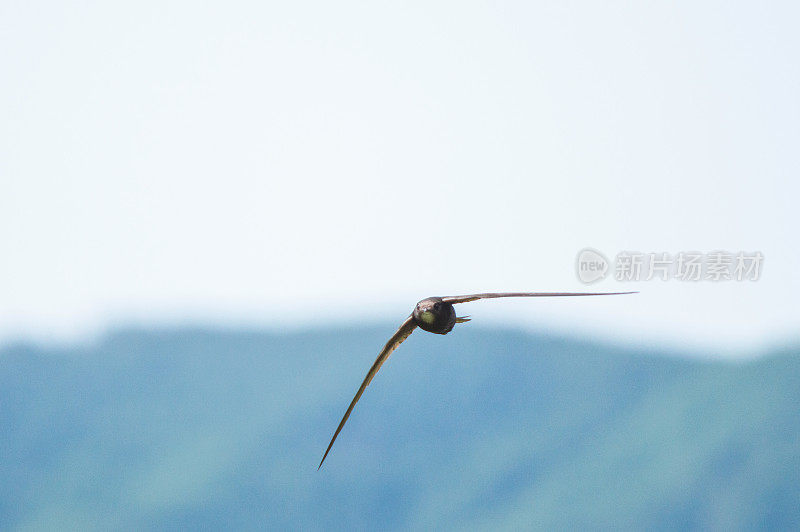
[437, 315]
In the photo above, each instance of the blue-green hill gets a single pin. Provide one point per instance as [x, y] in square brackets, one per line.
[480, 429]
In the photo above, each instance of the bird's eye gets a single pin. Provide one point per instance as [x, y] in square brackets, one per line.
[437, 306]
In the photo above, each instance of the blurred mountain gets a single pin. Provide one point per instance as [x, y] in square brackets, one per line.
[481, 429]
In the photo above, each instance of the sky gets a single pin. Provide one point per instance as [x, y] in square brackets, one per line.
[301, 164]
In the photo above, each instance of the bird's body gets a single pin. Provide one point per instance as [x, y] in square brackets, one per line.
[437, 315]
[434, 315]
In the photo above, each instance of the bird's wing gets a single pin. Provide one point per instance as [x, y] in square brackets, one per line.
[472, 297]
[402, 333]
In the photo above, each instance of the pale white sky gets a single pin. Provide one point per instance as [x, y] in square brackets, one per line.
[247, 162]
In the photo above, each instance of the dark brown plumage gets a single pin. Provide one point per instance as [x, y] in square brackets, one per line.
[437, 315]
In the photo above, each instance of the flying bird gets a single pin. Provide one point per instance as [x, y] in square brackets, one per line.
[437, 315]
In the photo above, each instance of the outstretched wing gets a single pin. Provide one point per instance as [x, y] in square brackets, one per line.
[402, 333]
[472, 297]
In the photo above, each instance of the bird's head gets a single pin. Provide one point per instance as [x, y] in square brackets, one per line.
[434, 315]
